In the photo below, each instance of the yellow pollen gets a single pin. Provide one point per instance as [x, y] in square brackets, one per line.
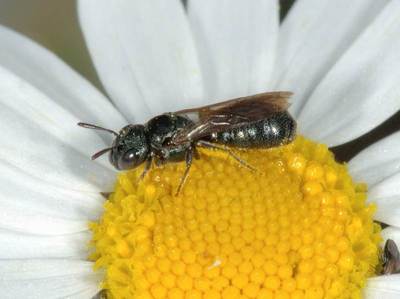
[298, 227]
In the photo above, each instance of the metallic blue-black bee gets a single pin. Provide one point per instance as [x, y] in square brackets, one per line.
[258, 121]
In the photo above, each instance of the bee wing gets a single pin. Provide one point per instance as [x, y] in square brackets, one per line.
[268, 102]
[232, 113]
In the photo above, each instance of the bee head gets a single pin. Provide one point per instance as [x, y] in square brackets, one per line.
[130, 147]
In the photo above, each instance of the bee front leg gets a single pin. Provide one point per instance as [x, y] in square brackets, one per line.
[159, 162]
[188, 158]
[146, 167]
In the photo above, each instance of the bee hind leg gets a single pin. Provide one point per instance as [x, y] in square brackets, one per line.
[204, 143]
[189, 159]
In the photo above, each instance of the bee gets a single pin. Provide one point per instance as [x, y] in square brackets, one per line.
[390, 258]
[257, 121]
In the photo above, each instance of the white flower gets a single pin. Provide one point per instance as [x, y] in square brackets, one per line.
[341, 59]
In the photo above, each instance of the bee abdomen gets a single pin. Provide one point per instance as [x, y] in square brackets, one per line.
[277, 130]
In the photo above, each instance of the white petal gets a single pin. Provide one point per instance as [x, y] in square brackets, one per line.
[47, 279]
[144, 53]
[33, 193]
[26, 246]
[57, 80]
[42, 139]
[383, 287]
[30, 205]
[25, 221]
[362, 89]
[391, 233]
[386, 194]
[379, 167]
[236, 41]
[312, 37]
[378, 161]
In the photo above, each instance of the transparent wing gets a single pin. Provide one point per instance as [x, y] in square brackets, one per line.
[268, 102]
[226, 115]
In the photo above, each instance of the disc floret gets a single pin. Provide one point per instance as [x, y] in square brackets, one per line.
[298, 227]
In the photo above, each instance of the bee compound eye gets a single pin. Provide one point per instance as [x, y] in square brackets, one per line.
[132, 158]
[128, 160]
[129, 156]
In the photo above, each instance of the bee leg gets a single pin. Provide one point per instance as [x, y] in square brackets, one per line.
[146, 168]
[188, 158]
[159, 162]
[204, 143]
[196, 153]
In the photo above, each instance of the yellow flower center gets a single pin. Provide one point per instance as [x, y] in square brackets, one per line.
[298, 227]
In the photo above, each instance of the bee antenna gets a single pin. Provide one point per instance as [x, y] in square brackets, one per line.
[94, 127]
[100, 153]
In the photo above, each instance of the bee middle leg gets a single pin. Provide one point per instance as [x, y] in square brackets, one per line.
[204, 143]
[196, 153]
[189, 159]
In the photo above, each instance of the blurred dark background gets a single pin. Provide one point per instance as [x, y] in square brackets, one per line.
[54, 24]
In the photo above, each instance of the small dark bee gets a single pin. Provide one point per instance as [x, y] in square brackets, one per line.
[390, 258]
[258, 121]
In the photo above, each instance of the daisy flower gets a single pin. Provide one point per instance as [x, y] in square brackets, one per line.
[301, 229]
